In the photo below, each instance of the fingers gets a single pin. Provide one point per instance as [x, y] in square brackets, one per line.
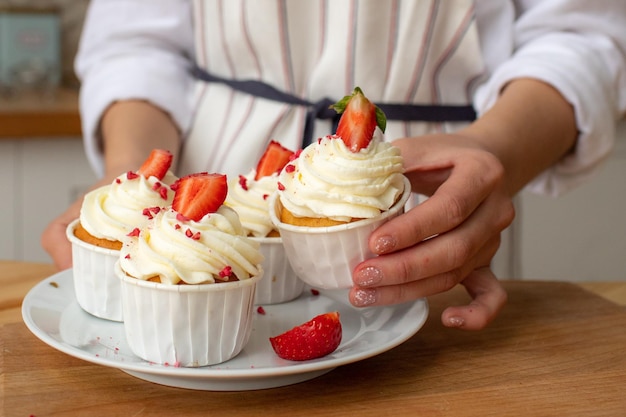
[451, 255]
[54, 240]
[488, 298]
[448, 239]
[401, 276]
[395, 294]
[438, 264]
[454, 254]
[468, 185]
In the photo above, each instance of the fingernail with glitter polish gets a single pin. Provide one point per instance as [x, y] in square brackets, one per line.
[455, 322]
[385, 244]
[368, 276]
[365, 297]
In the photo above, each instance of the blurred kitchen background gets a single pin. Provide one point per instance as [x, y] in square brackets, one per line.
[579, 236]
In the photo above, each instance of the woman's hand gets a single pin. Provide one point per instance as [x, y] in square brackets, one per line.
[449, 239]
[471, 177]
[53, 238]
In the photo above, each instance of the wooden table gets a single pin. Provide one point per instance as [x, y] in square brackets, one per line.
[556, 349]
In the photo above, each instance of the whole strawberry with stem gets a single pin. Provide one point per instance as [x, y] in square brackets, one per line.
[359, 118]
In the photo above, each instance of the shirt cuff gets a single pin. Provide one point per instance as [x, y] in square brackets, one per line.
[578, 72]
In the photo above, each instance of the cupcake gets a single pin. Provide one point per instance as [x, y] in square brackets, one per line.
[188, 279]
[107, 215]
[336, 192]
[249, 197]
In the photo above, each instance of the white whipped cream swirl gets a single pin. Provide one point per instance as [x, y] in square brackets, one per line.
[331, 181]
[112, 211]
[199, 252]
[250, 199]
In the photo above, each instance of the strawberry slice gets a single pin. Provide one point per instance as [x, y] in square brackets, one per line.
[316, 338]
[359, 119]
[275, 157]
[157, 164]
[196, 195]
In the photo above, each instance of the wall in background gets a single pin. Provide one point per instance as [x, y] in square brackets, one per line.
[580, 235]
[42, 177]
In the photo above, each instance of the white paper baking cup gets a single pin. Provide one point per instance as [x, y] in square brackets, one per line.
[187, 325]
[96, 285]
[324, 257]
[280, 283]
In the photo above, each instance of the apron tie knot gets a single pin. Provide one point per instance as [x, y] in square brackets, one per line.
[318, 110]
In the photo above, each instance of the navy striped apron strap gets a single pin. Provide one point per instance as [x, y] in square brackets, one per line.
[321, 109]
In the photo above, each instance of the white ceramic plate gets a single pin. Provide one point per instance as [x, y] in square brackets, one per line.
[51, 312]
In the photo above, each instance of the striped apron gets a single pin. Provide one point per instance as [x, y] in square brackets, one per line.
[268, 69]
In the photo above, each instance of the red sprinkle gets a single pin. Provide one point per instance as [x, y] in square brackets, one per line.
[243, 182]
[188, 233]
[118, 181]
[265, 196]
[148, 213]
[163, 193]
[177, 226]
[134, 232]
[127, 256]
[290, 168]
[314, 291]
[156, 186]
[281, 187]
[295, 155]
[260, 310]
[131, 175]
[181, 218]
[226, 272]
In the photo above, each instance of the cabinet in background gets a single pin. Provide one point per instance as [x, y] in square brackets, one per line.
[41, 177]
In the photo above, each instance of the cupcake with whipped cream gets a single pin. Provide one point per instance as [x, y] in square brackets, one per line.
[188, 279]
[339, 189]
[249, 196]
[107, 215]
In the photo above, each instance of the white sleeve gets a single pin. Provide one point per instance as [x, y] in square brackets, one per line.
[134, 49]
[577, 47]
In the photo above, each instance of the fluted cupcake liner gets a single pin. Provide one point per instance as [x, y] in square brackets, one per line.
[96, 285]
[187, 325]
[280, 283]
[324, 257]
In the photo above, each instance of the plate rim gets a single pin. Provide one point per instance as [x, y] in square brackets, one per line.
[213, 373]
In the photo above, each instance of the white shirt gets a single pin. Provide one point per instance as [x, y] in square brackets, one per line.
[141, 49]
